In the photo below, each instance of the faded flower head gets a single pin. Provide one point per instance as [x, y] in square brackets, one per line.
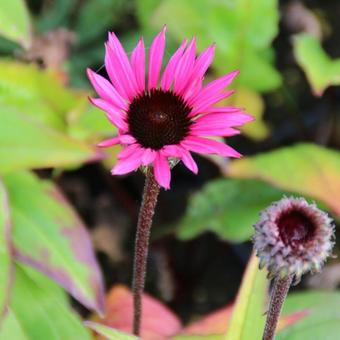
[166, 117]
[293, 237]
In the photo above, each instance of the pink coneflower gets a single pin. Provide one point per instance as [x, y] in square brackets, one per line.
[161, 122]
[168, 116]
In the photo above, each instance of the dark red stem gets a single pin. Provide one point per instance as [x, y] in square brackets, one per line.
[277, 298]
[147, 210]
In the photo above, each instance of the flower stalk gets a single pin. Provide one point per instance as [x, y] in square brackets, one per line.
[147, 210]
[278, 296]
[292, 237]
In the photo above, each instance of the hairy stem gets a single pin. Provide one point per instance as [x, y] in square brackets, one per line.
[278, 296]
[147, 210]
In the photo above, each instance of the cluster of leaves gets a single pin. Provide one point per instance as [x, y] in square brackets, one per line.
[43, 242]
[230, 207]
[17, 25]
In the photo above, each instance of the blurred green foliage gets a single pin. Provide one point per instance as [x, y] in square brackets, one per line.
[227, 207]
[242, 37]
[40, 309]
[39, 147]
[40, 94]
[322, 320]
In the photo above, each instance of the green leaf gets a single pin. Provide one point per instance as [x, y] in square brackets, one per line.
[248, 319]
[12, 329]
[228, 207]
[6, 265]
[25, 143]
[108, 332]
[40, 95]
[15, 22]
[322, 321]
[308, 169]
[37, 93]
[320, 69]
[49, 236]
[90, 123]
[243, 38]
[39, 310]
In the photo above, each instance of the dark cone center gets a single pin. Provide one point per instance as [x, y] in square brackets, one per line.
[295, 228]
[158, 118]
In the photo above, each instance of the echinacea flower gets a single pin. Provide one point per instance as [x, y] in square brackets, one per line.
[169, 115]
[293, 237]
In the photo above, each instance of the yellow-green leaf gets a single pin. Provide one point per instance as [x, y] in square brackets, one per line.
[320, 69]
[247, 321]
[6, 264]
[308, 169]
[36, 93]
[26, 143]
[48, 235]
[40, 310]
[15, 22]
[108, 332]
[89, 123]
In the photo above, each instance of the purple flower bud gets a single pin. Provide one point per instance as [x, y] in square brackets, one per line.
[293, 237]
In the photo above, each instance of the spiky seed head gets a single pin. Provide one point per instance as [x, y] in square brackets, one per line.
[293, 237]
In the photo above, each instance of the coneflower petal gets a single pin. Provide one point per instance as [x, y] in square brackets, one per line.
[148, 156]
[156, 58]
[185, 68]
[122, 59]
[222, 120]
[188, 161]
[209, 146]
[169, 72]
[138, 64]
[105, 90]
[128, 164]
[201, 105]
[162, 170]
[212, 88]
[112, 68]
